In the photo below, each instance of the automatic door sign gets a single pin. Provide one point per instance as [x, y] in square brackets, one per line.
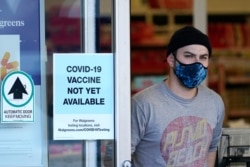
[17, 98]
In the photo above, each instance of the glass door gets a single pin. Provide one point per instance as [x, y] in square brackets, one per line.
[90, 27]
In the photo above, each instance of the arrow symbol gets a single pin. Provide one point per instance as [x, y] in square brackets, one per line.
[18, 89]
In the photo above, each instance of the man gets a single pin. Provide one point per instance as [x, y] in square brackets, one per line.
[178, 122]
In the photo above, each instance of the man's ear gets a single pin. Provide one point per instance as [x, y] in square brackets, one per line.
[170, 60]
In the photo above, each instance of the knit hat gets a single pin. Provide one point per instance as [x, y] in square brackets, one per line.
[188, 36]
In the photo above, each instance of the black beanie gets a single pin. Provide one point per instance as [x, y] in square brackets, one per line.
[188, 36]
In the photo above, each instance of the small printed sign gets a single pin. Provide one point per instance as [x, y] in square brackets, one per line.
[83, 98]
[17, 98]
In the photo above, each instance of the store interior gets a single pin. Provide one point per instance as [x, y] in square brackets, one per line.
[152, 24]
[228, 27]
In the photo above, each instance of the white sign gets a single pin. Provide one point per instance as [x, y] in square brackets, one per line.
[17, 98]
[23, 141]
[83, 100]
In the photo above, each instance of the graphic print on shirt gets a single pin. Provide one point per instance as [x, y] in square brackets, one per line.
[185, 142]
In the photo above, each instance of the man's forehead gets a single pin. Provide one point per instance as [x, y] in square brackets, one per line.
[193, 49]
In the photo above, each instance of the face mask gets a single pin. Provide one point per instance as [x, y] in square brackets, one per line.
[190, 75]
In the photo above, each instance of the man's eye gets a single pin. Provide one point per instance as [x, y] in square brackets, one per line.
[189, 56]
[204, 57]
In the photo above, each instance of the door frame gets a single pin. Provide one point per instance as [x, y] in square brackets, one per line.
[121, 39]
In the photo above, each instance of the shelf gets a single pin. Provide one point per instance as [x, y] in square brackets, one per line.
[238, 80]
[239, 113]
[228, 6]
[160, 11]
[231, 50]
[159, 46]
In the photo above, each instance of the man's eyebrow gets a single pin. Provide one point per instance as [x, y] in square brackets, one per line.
[193, 54]
[188, 52]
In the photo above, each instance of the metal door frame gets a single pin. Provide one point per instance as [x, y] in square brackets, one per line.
[121, 50]
[122, 81]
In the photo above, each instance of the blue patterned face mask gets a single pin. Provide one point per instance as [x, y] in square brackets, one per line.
[190, 75]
